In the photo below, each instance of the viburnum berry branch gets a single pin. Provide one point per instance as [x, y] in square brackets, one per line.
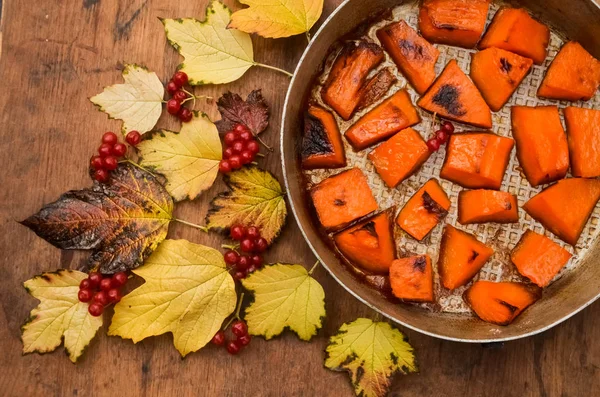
[236, 315]
[195, 226]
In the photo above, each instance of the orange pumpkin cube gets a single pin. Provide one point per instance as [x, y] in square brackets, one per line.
[583, 134]
[482, 206]
[412, 278]
[322, 145]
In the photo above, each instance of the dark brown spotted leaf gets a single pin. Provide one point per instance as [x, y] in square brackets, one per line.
[122, 221]
[253, 112]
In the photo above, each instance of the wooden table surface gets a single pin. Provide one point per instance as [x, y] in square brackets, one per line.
[58, 53]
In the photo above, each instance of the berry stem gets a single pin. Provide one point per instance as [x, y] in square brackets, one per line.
[236, 315]
[233, 247]
[259, 139]
[203, 228]
[262, 65]
[310, 272]
[260, 155]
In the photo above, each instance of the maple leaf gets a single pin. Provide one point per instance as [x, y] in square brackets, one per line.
[138, 102]
[284, 296]
[372, 353]
[122, 221]
[59, 315]
[277, 18]
[256, 198]
[213, 54]
[188, 292]
[188, 159]
[253, 112]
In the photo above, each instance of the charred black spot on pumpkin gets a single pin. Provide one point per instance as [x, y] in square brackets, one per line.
[420, 263]
[505, 66]
[474, 255]
[411, 49]
[339, 203]
[315, 140]
[433, 207]
[510, 307]
[447, 27]
[369, 227]
[448, 98]
[508, 206]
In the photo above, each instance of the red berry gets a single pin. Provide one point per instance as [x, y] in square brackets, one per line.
[101, 297]
[96, 162]
[95, 278]
[180, 78]
[257, 261]
[110, 163]
[239, 128]
[233, 348]
[231, 257]
[219, 338]
[239, 328]
[253, 147]
[253, 232]
[106, 284]
[185, 115]
[133, 138]
[173, 106]
[433, 144]
[95, 309]
[237, 232]
[243, 262]
[101, 175]
[244, 340]
[114, 295]
[180, 96]
[247, 245]
[235, 161]
[119, 279]
[172, 87]
[239, 275]
[110, 138]
[84, 295]
[246, 136]
[441, 136]
[251, 269]
[224, 167]
[229, 138]
[261, 245]
[227, 153]
[238, 147]
[119, 149]
[448, 127]
[247, 157]
[85, 284]
[105, 150]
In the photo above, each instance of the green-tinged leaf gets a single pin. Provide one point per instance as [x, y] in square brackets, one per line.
[213, 54]
[59, 315]
[188, 159]
[188, 292]
[138, 102]
[256, 198]
[372, 353]
[122, 221]
[284, 296]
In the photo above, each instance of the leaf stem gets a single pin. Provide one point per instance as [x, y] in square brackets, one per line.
[259, 139]
[310, 272]
[237, 312]
[195, 226]
[308, 36]
[137, 165]
[233, 247]
[262, 65]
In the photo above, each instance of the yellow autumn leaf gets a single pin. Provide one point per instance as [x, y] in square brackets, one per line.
[284, 296]
[277, 18]
[138, 102]
[59, 315]
[372, 353]
[187, 291]
[188, 159]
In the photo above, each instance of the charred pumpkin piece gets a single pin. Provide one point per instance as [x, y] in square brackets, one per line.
[565, 207]
[412, 279]
[370, 244]
[414, 56]
[454, 22]
[342, 198]
[392, 115]
[538, 258]
[455, 97]
[461, 257]
[348, 76]
[482, 206]
[425, 209]
[477, 160]
[376, 88]
[400, 156]
[322, 145]
[501, 303]
[514, 30]
[497, 74]
[583, 133]
[542, 147]
[573, 75]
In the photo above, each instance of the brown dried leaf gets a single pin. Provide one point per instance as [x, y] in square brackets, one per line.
[253, 112]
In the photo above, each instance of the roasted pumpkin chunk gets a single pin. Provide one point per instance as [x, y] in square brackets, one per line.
[455, 97]
[322, 145]
[369, 244]
[583, 133]
[501, 303]
[482, 206]
[342, 198]
[497, 74]
[453, 22]
[400, 156]
[573, 75]
[412, 278]
[477, 160]
[376, 88]
[424, 210]
[461, 257]
[514, 30]
[565, 207]
[542, 147]
[538, 258]
[392, 115]
[414, 56]
[348, 76]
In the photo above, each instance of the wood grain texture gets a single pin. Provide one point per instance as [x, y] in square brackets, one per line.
[55, 55]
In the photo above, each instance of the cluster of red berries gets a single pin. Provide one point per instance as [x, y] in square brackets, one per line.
[441, 136]
[252, 245]
[109, 153]
[240, 330]
[178, 97]
[101, 291]
[241, 148]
